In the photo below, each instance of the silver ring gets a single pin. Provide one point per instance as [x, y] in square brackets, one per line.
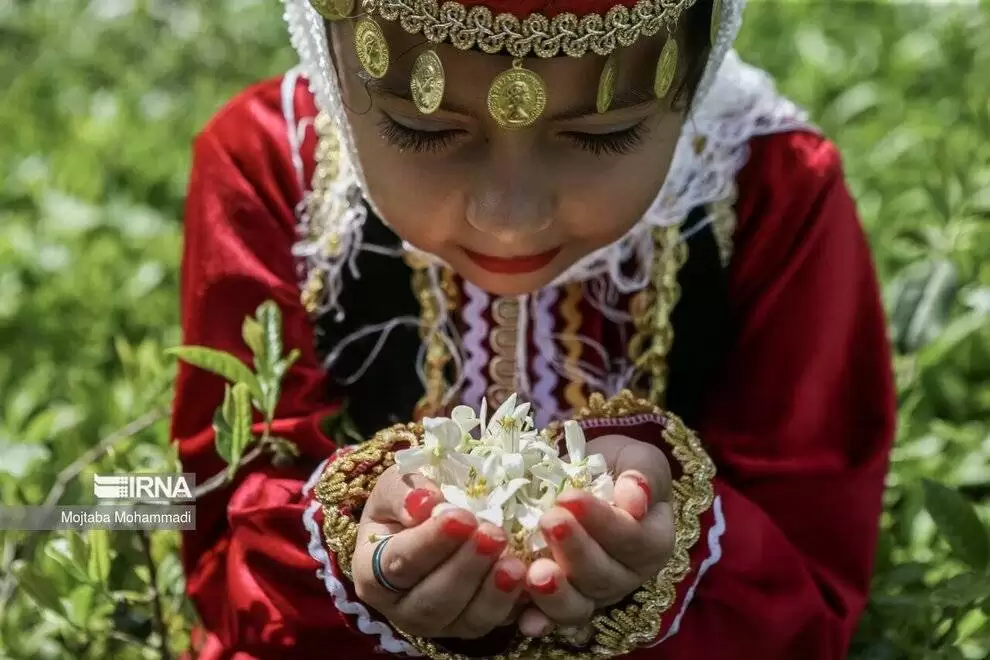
[376, 566]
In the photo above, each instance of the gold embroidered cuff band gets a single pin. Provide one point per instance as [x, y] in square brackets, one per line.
[345, 486]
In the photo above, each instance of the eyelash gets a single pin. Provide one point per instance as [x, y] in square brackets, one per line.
[404, 138]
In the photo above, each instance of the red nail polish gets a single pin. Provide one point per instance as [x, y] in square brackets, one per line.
[641, 482]
[419, 504]
[506, 581]
[487, 545]
[576, 507]
[546, 587]
[560, 532]
[457, 529]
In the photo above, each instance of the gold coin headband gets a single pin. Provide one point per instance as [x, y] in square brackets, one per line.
[517, 97]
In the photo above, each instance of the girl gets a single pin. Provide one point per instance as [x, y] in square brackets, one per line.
[571, 200]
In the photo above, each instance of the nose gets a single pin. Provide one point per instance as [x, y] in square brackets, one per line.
[510, 208]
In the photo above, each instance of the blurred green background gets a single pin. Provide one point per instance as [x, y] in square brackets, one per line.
[100, 102]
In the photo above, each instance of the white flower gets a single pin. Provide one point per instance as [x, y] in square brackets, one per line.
[510, 426]
[580, 469]
[437, 458]
[527, 513]
[484, 495]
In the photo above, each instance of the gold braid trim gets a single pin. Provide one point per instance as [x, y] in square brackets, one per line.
[345, 486]
[723, 214]
[544, 37]
[571, 313]
[651, 310]
[437, 353]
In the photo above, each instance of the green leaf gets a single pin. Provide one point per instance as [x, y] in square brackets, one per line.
[957, 521]
[254, 336]
[217, 362]
[283, 366]
[38, 588]
[223, 434]
[80, 605]
[62, 553]
[99, 555]
[241, 435]
[922, 298]
[270, 318]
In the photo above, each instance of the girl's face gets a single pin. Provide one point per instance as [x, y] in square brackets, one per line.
[509, 210]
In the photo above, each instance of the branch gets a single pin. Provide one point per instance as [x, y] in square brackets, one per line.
[220, 480]
[145, 540]
[96, 452]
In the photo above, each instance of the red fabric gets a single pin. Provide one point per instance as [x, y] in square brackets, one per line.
[799, 423]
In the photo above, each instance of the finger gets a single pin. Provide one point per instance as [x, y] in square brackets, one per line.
[642, 467]
[556, 596]
[437, 601]
[533, 622]
[411, 554]
[594, 573]
[495, 602]
[405, 499]
[641, 546]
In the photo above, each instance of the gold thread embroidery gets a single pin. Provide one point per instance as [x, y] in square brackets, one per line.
[545, 37]
[651, 311]
[723, 214]
[346, 484]
[323, 208]
[437, 353]
[569, 310]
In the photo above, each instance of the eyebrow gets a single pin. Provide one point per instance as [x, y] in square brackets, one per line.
[623, 99]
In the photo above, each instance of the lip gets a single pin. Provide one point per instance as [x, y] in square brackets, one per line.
[512, 265]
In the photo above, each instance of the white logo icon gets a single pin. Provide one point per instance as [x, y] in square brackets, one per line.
[174, 487]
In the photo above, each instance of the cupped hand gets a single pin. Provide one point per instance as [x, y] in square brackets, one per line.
[602, 552]
[452, 578]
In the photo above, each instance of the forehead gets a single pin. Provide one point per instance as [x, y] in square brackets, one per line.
[570, 81]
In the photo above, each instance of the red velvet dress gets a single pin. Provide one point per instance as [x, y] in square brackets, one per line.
[798, 415]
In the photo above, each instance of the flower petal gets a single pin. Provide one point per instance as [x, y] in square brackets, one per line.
[457, 497]
[446, 431]
[574, 437]
[412, 459]
[596, 465]
[465, 418]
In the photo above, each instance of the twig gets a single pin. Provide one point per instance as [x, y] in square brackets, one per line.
[66, 476]
[95, 452]
[162, 629]
[220, 480]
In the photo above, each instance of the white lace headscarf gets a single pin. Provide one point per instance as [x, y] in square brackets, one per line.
[733, 103]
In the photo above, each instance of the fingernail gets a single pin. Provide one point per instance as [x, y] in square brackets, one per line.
[457, 529]
[576, 507]
[545, 587]
[560, 532]
[641, 482]
[419, 504]
[487, 545]
[506, 581]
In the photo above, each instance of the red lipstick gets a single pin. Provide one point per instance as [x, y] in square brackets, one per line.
[513, 265]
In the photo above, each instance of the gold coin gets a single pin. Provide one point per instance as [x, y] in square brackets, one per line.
[427, 82]
[372, 49]
[666, 68]
[517, 97]
[333, 10]
[606, 85]
[716, 21]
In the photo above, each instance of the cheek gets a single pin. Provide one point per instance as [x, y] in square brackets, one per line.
[419, 200]
[614, 200]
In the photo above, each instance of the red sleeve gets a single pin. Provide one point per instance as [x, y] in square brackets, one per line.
[799, 424]
[256, 566]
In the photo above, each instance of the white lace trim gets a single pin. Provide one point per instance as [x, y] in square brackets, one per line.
[714, 555]
[335, 587]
